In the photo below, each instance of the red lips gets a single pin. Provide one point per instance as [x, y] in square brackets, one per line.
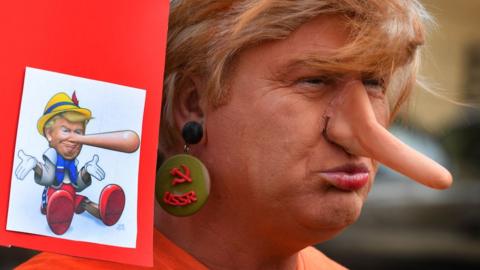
[348, 177]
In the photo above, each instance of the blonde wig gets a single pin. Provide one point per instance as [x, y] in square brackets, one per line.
[205, 36]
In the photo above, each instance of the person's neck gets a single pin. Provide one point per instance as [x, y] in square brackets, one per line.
[220, 241]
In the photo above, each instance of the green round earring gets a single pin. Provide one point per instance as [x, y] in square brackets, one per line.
[183, 183]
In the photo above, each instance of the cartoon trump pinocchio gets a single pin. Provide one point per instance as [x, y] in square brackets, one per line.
[63, 124]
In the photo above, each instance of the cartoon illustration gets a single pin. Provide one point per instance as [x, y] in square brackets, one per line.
[63, 124]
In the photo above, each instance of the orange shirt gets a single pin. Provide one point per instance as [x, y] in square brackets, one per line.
[312, 259]
[166, 255]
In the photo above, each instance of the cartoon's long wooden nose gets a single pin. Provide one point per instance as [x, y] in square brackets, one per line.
[126, 141]
[351, 123]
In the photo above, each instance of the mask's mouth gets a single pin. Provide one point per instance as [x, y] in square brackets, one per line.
[348, 177]
[350, 122]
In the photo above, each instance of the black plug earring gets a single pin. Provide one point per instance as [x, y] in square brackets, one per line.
[192, 133]
[183, 184]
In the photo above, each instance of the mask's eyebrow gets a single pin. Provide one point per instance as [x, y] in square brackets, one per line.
[330, 64]
[305, 66]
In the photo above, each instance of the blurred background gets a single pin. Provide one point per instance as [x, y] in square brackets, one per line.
[408, 226]
[405, 225]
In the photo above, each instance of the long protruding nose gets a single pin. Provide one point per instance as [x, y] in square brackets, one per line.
[351, 123]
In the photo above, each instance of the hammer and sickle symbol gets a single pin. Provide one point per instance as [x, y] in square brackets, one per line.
[181, 177]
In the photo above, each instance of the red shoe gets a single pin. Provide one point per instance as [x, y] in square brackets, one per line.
[60, 211]
[111, 204]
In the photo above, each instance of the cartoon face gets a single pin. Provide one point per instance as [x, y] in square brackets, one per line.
[59, 136]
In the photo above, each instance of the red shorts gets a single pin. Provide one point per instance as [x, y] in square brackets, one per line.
[70, 189]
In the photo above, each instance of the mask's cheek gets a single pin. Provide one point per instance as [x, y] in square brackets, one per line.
[381, 109]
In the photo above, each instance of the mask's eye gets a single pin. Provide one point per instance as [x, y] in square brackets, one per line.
[315, 82]
[375, 85]
[65, 130]
[373, 82]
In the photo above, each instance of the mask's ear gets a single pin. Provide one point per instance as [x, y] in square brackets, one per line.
[351, 123]
[187, 102]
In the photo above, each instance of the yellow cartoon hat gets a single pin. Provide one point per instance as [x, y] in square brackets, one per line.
[60, 103]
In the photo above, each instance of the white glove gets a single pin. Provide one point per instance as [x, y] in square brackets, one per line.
[93, 169]
[26, 165]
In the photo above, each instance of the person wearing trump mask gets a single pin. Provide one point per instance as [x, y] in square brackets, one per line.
[276, 110]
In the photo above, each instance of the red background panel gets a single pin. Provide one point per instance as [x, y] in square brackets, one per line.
[121, 42]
